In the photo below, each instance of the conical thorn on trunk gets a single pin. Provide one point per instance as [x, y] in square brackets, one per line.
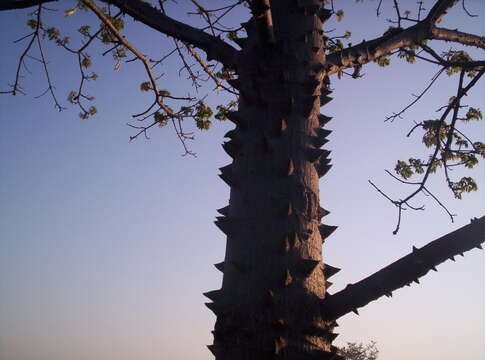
[225, 225]
[323, 119]
[326, 230]
[227, 176]
[224, 210]
[322, 168]
[220, 266]
[330, 270]
[324, 100]
[290, 168]
[306, 266]
[313, 155]
[287, 278]
[231, 148]
[324, 14]
[322, 213]
[213, 295]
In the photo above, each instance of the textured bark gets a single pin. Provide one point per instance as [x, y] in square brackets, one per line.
[405, 270]
[274, 280]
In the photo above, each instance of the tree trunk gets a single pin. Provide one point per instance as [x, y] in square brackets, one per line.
[274, 278]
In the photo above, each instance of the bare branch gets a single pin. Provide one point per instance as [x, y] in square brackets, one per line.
[214, 47]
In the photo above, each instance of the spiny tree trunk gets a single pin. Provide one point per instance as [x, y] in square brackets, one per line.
[274, 278]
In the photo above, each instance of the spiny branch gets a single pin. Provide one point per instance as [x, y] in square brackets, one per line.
[406, 270]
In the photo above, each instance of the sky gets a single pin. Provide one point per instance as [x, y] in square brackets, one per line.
[106, 245]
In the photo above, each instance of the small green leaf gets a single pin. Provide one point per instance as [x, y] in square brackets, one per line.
[339, 14]
[145, 86]
[70, 11]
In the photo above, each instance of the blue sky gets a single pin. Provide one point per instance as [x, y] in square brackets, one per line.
[106, 246]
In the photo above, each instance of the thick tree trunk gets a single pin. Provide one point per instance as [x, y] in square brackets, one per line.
[274, 278]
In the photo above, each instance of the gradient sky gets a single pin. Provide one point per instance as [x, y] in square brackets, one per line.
[106, 246]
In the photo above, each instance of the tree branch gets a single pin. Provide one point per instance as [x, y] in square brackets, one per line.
[215, 48]
[458, 37]
[21, 4]
[368, 51]
[405, 270]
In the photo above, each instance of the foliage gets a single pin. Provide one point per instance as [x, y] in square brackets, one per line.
[359, 351]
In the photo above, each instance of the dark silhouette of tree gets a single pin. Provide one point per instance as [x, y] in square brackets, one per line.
[273, 302]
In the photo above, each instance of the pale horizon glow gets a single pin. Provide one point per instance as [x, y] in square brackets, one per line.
[106, 246]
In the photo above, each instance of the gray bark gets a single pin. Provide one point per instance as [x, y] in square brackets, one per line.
[274, 278]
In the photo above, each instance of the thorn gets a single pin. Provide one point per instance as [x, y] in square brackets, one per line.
[329, 270]
[286, 244]
[288, 209]
[306, 266]
[294, 240]
[433, 268]
[322, 168]
[313, 155]
[283, 126]
[321, 137]
[213, 307]
[224, 224]
[416, 281]
[288, 279]
[220, 266]
[389, 294]
[355, 311]
[324, 120]
[291, 168]
[324, 100]
[326, 230]
[212, 349]
[479, 246]
[452, 258]
[461, 254]
[332, 336]
[224, 211]
[230, 134]
[213, 295]
[322, 212]
[279, 344]
[227, 175]
[328, 284]
[324, 14]
[231, 148]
